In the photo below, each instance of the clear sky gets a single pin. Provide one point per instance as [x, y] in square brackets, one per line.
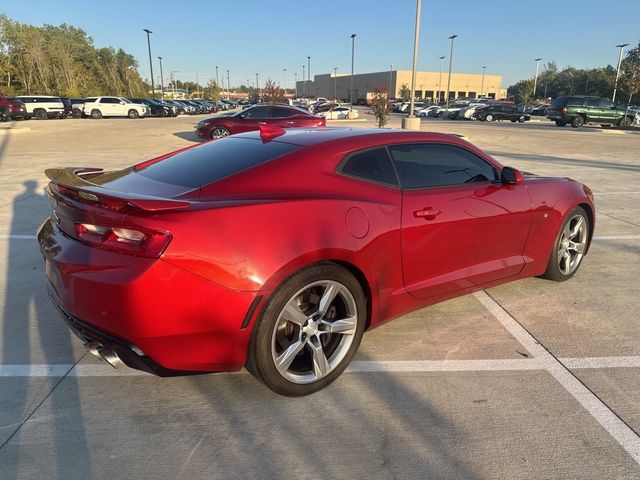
[267, 36]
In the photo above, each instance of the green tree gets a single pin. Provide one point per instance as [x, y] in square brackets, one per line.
[271, 93]
[380, 105]
[404, 92]
[630, 74]
[522, 92]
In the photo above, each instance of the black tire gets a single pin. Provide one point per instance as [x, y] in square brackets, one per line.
[624, 121]
[96, 114]
[521, 119]
[219, 132]
[489, 117]
[5, 115]
[133, 113]
[40, 114]
[560, 123]
[577, 121]
[272, 332]
[554, 271]
[76, 113]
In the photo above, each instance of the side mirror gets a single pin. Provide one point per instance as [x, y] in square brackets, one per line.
[511, 176]
[121, 103]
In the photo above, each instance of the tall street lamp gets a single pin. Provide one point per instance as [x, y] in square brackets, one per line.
[411, 122]
[153, 88]
[335, 84]
[389, 86]
[284, 81]
[228, 86]
[161, 79]
[452, 38]
[484, 67]
[440, 79]
[295, 82]
[217, 80]
[304, 83]
[258, 85]
[535, 79]
[353, 47]
[615, 85]
[309, 74]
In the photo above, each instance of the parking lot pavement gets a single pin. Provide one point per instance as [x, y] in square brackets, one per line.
[530, 380]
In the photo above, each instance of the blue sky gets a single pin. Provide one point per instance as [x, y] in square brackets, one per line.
[251, 36]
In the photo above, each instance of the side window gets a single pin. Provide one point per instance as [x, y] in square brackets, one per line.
[372, 165]
[575, 102]
[593, 102]
[257, 112]
[437, 165]
[605, 103]
[108, 100]
[279, 112]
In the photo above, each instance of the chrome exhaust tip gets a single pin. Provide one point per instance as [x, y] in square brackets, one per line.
[111, 358]
[94, 348]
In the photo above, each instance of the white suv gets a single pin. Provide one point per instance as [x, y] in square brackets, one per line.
[43, 106]
[98, 107]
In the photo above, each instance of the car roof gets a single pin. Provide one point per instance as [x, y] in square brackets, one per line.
[314, 136]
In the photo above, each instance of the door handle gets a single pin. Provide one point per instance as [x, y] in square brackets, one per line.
[290, 123]
[428, 213]
[262, 123]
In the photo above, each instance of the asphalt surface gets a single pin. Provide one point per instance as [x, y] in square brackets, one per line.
[532, 379]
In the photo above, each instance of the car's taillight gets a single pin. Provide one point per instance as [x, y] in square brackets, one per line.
[564, 110]
[131, 241]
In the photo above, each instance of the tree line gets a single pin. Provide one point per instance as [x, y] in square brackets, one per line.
[553, 82]
[62, 60]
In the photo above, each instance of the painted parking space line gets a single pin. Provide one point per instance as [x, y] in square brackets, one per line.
[607, 418]
[17, 237]
[357, 366]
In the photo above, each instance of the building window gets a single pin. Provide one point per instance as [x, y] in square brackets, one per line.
[492, 95]
[462, 94]
[429, 94]
[472, 95]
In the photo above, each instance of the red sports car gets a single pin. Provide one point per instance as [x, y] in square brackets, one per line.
[277, 250]
[252, 118]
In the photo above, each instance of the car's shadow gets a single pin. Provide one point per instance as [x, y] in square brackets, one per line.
[190, 136]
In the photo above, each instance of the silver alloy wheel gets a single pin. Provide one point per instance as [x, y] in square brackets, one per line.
[572, 245]
[314, 331]
[219, 132]
[489, 118]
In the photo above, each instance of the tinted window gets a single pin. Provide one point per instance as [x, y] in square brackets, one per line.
[435, 165]
[257, 112]
[108, 100]
[279, 112]
[575, 102]
[559, 102]
[371, 165]
[593, 102]
[213, 161]
[604, 103]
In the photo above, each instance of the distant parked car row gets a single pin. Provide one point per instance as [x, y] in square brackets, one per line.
[44, 106]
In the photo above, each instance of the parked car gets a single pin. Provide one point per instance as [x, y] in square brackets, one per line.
[98, 107]
[178, 107]
[338, 112]
[501, 112]
[579, 110]
[43, 106]
[428, 111]
[68, 106]
[277, 250]
[540, 110]
[156, 109]
[250, 119]
[13, 108]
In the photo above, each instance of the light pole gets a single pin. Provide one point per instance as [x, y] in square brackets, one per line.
[440, 79]
[217, 80]
[258, 86]
[484, 67]
[615, 85]
[353, 47]
[452, 38]
[535, 79]
[411, 122]
[284, 81]
[153, 88]
[335, 84]
[161, 79]
[304, 83]
[173, 83]
[228, 86]
[389, 87]
[309, 74]
[295, 77]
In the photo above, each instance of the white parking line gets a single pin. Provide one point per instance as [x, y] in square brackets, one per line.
[18, 237]
[617, 193]
[618, 429]
[357, 366]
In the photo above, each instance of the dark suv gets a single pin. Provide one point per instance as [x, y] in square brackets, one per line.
[578, 110]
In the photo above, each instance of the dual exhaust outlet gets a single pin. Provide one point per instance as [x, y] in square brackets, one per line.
[106, 354]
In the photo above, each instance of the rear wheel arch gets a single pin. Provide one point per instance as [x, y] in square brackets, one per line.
[590, 216]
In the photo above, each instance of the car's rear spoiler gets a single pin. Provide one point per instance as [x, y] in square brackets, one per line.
[74, 178]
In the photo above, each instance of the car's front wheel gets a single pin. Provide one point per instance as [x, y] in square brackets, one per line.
[219, 132]
[569, 247]
[308, 331]
[133, 113]
[489, 118]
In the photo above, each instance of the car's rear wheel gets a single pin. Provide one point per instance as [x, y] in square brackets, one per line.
[489, 118]
[219, 132]
[569, 247]
[133, 113]
[521, 119]
[560, 123]
[308, 331]
[577, 121]
[624, 121]
[95, 113]
[40, 114]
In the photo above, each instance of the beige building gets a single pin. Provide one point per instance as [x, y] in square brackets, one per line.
[428, 85]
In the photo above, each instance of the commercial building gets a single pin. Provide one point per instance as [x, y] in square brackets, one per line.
[429, 85]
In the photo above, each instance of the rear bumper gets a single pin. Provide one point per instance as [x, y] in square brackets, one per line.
[19, 114]
[182, 322]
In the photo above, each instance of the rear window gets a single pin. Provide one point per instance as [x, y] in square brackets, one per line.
[559, 102]
[575, 101]
[214, 161]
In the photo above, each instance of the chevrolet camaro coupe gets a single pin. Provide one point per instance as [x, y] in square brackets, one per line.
[277, 249]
